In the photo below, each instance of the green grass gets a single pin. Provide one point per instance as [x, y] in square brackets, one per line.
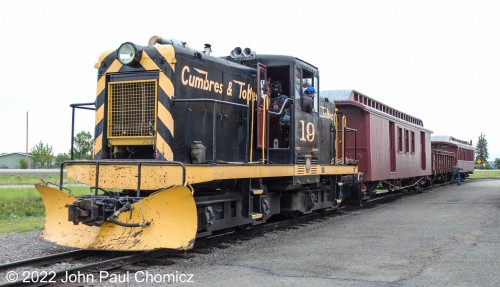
[21, 209]
[22, 224]
[485, 174]
[23, 179]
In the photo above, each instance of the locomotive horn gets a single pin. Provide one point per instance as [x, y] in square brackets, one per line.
[236, 52]
[247, 52]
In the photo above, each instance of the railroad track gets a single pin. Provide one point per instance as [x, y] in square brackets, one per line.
[119, 260]
[127, 261]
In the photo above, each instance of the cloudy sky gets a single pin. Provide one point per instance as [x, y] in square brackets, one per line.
[436, 60]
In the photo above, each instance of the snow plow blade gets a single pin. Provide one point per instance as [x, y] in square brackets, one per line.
[171, 214]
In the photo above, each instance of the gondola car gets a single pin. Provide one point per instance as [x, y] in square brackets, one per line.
[187, 144]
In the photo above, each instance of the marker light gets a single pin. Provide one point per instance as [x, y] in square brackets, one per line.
[129, 53]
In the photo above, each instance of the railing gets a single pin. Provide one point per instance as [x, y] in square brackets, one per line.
[139, 164]
[83, 106]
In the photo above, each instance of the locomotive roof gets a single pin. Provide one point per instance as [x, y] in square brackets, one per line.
[267, 59]
[222, 60]
[368, 103]
[452, 140]
[277, 60]
[281, 58]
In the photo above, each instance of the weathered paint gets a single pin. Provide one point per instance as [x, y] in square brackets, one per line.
[171, 214]
[153, 177]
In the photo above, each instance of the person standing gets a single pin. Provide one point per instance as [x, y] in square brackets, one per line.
[456, 173]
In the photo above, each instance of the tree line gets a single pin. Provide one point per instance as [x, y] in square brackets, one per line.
[43, 154]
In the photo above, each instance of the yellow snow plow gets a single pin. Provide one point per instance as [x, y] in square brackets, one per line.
[164, 219]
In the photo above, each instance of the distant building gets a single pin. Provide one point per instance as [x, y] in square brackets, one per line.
[13, 160]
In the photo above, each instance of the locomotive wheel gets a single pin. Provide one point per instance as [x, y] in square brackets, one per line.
[357, 195]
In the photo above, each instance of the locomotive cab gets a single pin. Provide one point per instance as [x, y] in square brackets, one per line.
[292, 134]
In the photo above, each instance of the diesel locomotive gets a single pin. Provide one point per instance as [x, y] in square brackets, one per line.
[187, 144]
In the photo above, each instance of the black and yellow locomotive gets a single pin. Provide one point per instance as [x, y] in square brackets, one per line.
[187, 144]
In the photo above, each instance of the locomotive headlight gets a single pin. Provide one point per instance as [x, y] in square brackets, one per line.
[129, 53]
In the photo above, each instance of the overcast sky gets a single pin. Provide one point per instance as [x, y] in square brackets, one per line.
[436, 60]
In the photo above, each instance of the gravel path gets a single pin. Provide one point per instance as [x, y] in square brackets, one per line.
[18, 246]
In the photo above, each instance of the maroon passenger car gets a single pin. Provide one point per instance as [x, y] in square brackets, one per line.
[393, 148]
[463, 153]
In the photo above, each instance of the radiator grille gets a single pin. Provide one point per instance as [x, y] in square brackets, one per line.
[301, 167]
[132, 108]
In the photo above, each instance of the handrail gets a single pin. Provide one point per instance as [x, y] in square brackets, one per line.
[344, 123]
[139, 164]
[282, 108]
[251, 132]
[83, 106]
[336, 125]
[264, 109]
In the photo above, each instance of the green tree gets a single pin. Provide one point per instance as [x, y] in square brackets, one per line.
[83, 146]
[22, 163]
[482, 149]
[42, 154]
[60, 158]
[497, 163]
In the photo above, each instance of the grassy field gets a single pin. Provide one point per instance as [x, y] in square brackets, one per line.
[21, 209]
[485, 174]
[28, 179]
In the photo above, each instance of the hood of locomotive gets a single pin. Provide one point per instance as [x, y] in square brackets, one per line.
[134, 122]
[153, 108]
[141, 109]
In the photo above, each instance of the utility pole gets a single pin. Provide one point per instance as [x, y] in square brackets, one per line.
[27, 158]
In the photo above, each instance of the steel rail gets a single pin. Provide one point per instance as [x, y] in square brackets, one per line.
[44, 259]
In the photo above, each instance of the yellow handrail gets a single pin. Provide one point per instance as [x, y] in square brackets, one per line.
[336, 124]
[344, 124]
[251, 130]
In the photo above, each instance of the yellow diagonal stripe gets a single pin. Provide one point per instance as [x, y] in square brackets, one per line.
[166, 85]
[98, 144]
[99, 115]
[102, 57]
[166, 117]
[168, 52]
[115, 67]
[147, 62]
[164, 148]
